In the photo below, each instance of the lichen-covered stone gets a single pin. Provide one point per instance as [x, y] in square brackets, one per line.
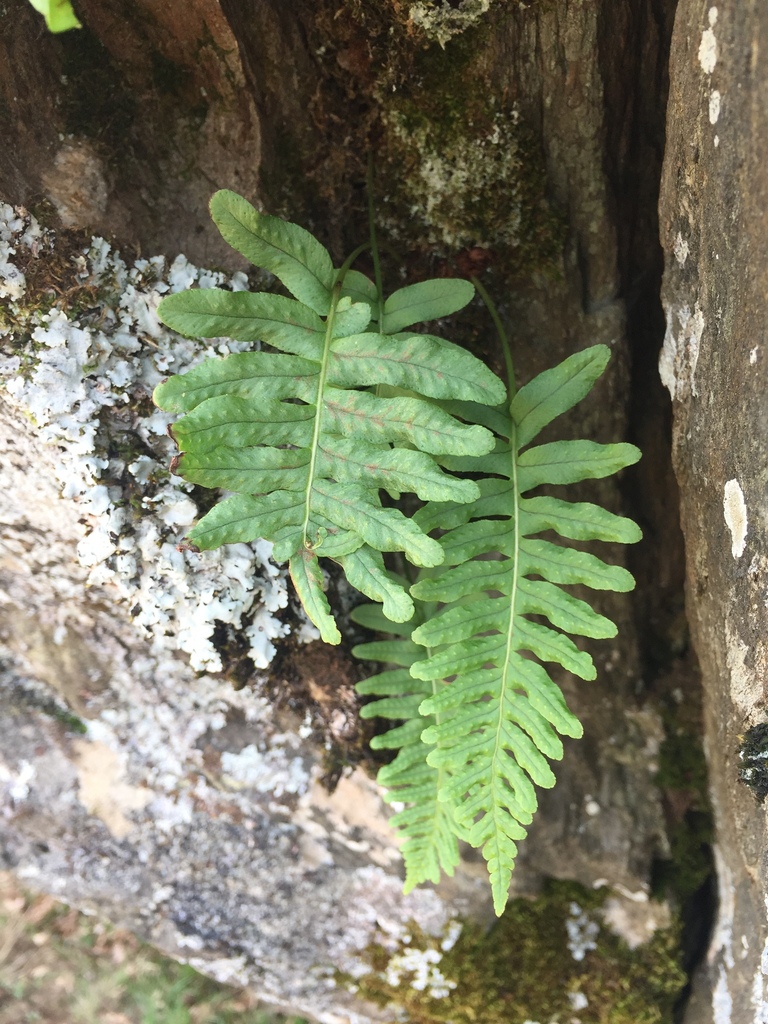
[86, 382]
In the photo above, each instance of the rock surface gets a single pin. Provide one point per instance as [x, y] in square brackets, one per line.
[714, 217]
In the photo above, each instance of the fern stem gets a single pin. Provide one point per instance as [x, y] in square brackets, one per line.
[342, 271]
[509, 648]
[319, 408]
[503, 337]
[374, 242]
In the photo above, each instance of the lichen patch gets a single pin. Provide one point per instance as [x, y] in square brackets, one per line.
[443, 21]
[714, 106]
[722, 1002]
[680, 249]
[85, 377]
[272, 771]
[708, 47]
[735, 512]
[680, 352]
[445, 168]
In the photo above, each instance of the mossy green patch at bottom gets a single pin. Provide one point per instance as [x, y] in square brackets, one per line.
[682, 779]
[524, 970]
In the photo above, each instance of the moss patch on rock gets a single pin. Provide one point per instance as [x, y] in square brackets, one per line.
[546, 959]
[682, 778]
[460, 167]
[457, 166]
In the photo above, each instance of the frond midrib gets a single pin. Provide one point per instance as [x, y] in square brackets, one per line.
[318, 422]
[497, 778]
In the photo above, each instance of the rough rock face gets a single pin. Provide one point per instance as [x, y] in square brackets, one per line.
[714, 217]
[123, 126]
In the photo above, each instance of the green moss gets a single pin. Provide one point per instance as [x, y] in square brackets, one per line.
[25, 697]
[457, 165]
[67, 719]
[523, 970]
[462, 170]
[753, 750]
[682, 778]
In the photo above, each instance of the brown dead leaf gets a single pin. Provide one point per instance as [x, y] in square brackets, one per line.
[67, 925]
[39, 908]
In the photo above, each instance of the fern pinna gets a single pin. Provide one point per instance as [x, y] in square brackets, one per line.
[493, 714]
[299, 435]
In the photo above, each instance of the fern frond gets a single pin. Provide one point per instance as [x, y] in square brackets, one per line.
[501, 712]
[295, 435]
[426, 822]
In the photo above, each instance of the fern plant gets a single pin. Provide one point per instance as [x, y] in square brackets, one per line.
[347, 403]
[493, 714]
[298, 435]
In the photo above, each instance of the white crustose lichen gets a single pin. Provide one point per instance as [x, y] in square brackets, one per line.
[85, 379]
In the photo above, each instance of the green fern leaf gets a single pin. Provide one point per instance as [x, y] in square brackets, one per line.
[365, 570]
[414, 304]
[427, 300]
[295, 435]
[501, 712]
[426, 823]
[59, 16]
[288, 251]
